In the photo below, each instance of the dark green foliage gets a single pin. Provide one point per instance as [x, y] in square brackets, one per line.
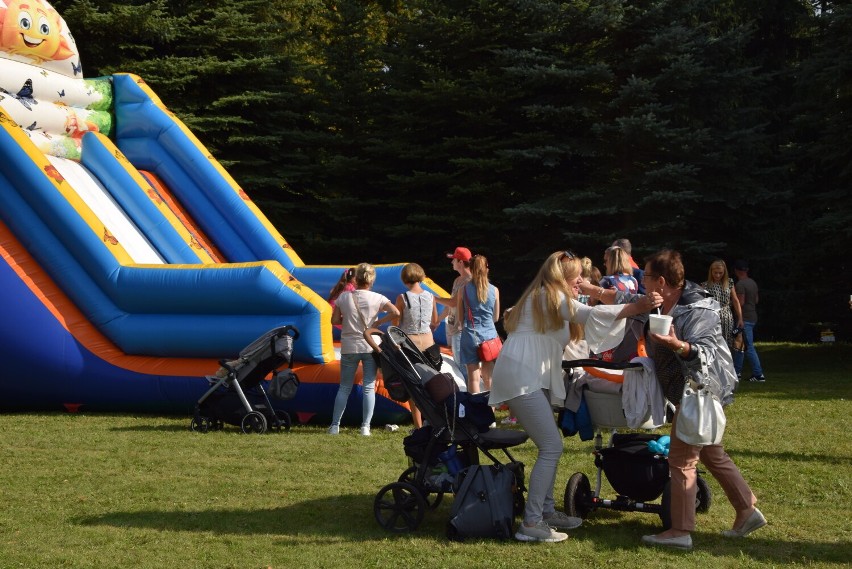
[393, 131]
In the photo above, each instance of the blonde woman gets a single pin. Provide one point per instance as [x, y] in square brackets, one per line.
[529, 372]
[478, 309]
[721, 286]
[619, 272]
[356, 311]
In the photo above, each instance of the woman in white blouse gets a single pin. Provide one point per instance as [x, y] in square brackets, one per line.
[529, 372]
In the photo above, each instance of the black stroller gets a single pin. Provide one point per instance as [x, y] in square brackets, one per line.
[637, 474]
[446, 444]
[236, 396]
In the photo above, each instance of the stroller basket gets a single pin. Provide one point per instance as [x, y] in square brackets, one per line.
[633, 470]
[236, 396]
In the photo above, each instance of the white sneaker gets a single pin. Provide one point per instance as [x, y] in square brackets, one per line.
[365, 431]
[561, 520]
[334, 430]
[539, 532]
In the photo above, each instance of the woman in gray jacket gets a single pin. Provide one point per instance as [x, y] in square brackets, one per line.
[695, 334]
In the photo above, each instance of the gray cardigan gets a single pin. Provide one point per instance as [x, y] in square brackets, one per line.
[696, 320]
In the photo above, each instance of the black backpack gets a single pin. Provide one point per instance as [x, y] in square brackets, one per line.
[484, 503]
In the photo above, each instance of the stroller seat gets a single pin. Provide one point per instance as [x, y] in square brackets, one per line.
[499, 439]
[607, 412]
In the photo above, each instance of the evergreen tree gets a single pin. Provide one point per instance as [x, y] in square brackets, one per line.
[459, 143]
[230, 69]
[673, 145]
[820, 156]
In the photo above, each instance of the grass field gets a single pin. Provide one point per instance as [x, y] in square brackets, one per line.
[82, 490]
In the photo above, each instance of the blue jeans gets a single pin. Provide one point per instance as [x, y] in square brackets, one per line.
[348, 367]
[749, 352]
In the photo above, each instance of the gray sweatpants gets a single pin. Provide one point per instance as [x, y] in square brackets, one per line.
[535, 415]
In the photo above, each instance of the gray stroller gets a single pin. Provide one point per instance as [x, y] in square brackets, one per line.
[236, 396]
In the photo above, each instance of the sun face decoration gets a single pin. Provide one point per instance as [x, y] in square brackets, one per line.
[33, 29]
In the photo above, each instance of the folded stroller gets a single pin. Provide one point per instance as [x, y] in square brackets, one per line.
[637, 473]
[450, 440]
[236, 396]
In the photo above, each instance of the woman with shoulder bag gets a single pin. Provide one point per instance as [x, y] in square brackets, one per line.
[478, 309]
[356, 311]
[693, 346]
[418, 317]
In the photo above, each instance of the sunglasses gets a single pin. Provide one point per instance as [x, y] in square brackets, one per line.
[567, 255]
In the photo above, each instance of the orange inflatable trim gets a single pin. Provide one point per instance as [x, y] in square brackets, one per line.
[617, 377]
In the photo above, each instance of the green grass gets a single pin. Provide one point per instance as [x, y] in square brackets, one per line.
[83, 490]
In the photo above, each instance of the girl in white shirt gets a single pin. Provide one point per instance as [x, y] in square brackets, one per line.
[356, 311]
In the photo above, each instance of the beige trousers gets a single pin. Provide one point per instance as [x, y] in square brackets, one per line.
[683, 459]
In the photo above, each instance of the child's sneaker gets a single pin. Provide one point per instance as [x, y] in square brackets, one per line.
[334, 430]
[539, 532]
[757, 379]
[509, 421]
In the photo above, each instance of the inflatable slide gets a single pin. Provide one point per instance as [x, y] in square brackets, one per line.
[130, 261]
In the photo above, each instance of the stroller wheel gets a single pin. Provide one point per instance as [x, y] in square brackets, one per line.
[399, 507]
[453, 533]
[199, 424]
[284, 421]
[703, 499]
[253, 422]
[409, 476]
[578, 496]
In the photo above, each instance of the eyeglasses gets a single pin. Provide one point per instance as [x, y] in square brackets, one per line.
[567, 255]
[649, 276]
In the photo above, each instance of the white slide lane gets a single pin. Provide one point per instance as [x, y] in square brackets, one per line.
[99, 200]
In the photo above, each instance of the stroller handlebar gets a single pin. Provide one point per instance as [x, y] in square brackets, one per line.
[368, 335]
[591, 362]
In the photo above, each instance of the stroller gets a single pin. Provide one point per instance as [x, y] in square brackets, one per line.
[236, 396]
[444, 446]
[637, 474]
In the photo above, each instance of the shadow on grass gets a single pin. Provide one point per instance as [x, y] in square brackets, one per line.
[350, 518]
[617, 531]
[790, 457]
[154, 428]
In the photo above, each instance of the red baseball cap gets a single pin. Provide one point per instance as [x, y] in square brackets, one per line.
[461, 253]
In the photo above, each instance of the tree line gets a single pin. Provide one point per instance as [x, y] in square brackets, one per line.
[390, 131]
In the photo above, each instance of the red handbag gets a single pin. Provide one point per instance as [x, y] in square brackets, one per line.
[488, 350]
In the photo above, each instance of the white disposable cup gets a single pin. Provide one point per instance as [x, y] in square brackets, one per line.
[660, 323]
